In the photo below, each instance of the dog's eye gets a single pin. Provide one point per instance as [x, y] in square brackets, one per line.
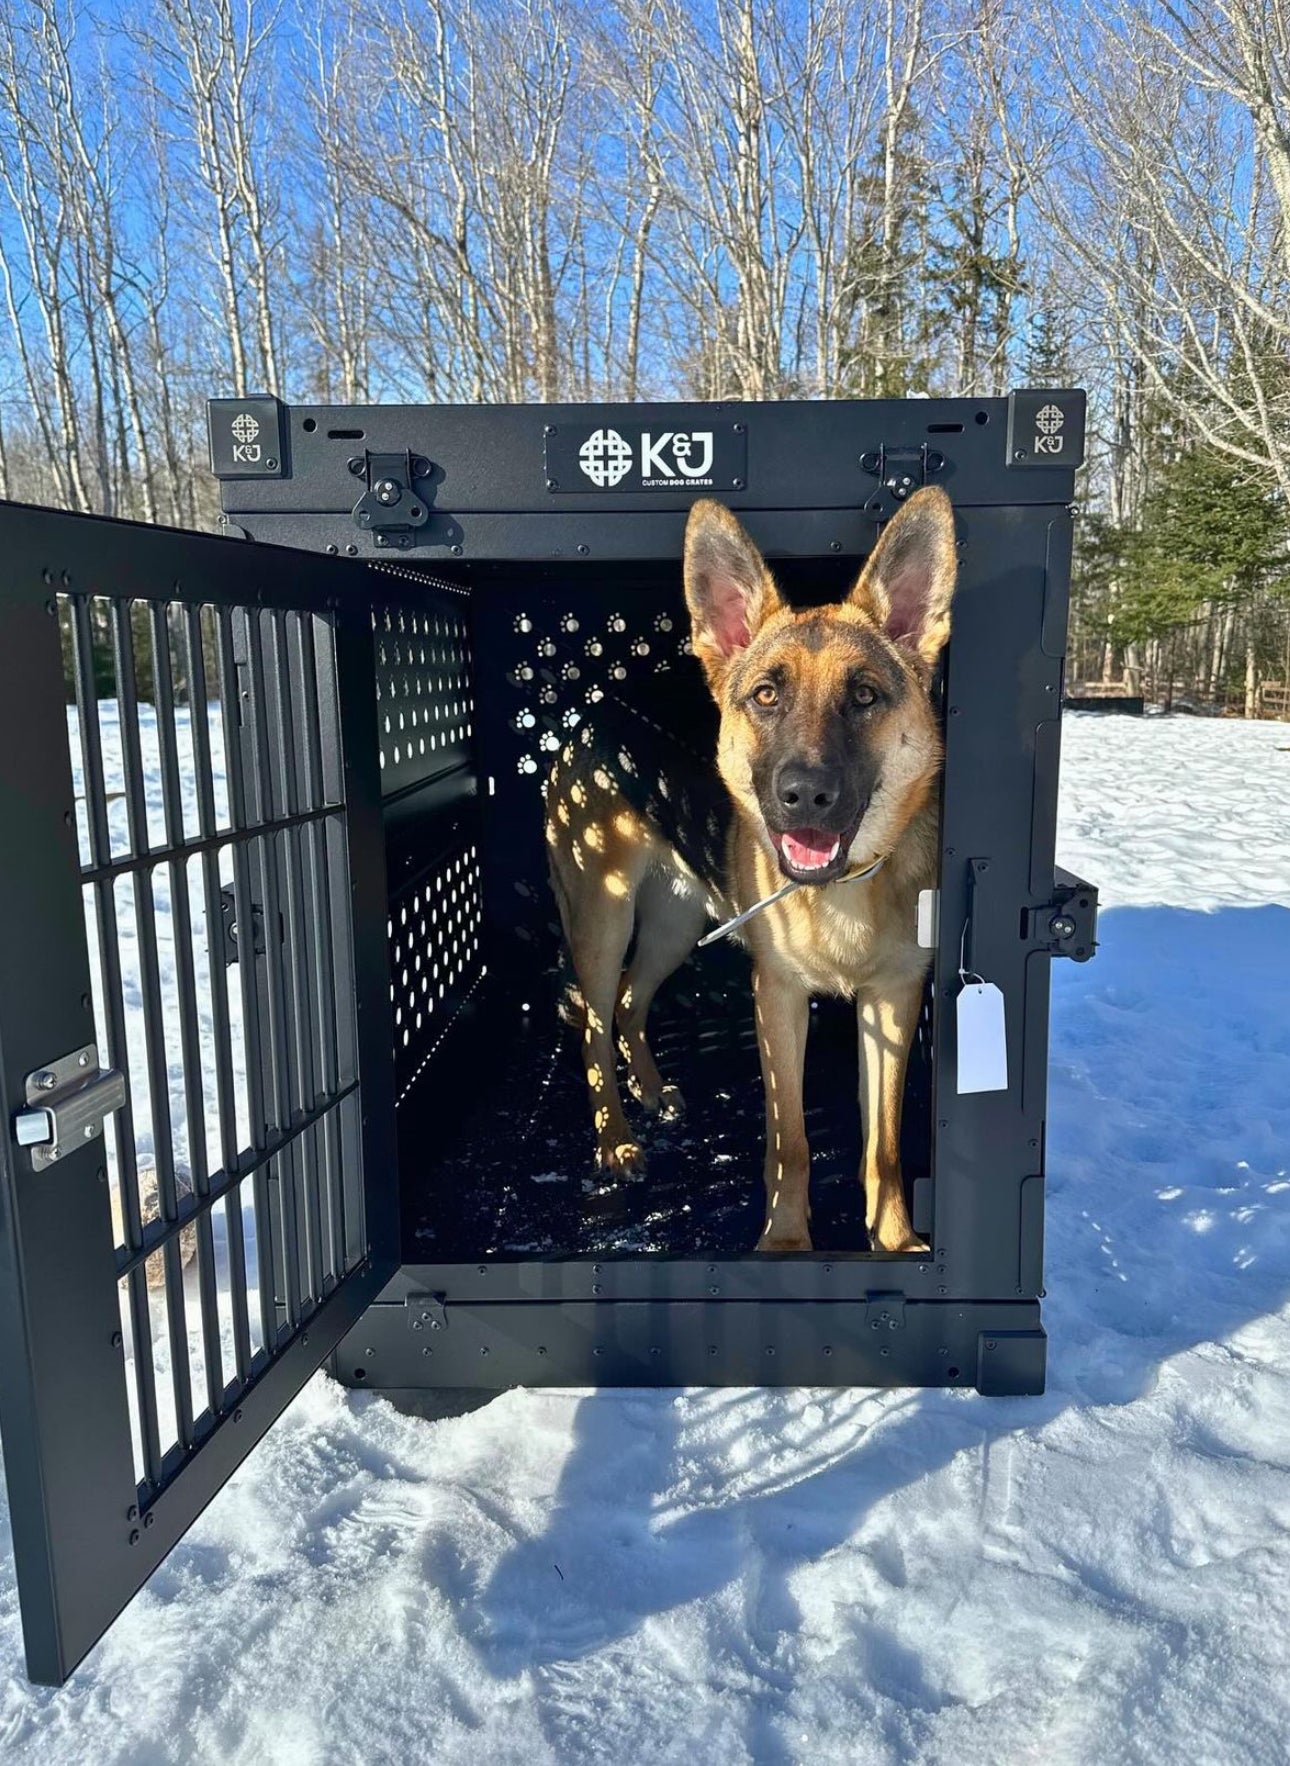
[863, 695]
[766, 695]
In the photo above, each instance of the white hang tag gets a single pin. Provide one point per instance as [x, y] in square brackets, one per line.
[983, 1042]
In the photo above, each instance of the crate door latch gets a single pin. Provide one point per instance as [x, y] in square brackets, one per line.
[1066, 926]
[900, 471]
[68, 1102]
[395, 504]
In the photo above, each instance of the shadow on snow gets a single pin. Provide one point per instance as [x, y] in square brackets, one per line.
[1168, 1227]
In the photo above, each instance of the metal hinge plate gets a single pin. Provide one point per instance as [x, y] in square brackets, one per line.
[427, 1312]
[68, 1102]
[885, 1311]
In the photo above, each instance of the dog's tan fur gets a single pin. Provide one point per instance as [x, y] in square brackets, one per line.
[613, 871]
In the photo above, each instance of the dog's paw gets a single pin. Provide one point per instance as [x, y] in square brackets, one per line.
[896, 1239]
[624, 1159]
[671, 1105]
[784, 1239]
[667, 1103]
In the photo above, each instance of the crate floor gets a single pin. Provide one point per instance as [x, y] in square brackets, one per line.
[516, 1176]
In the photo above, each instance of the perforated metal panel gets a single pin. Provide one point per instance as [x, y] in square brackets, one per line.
[424, 691]
[569, 662]
[425, 681]
[564, 656]
[436, 959]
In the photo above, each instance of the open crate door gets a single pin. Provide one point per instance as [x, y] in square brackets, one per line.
[192, 897]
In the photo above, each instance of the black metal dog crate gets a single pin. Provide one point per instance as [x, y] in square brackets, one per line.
[277, 1016]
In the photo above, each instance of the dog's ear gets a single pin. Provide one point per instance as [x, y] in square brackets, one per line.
[729, 591]
[908, 583]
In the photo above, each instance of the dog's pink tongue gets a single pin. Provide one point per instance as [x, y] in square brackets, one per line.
[809, 848]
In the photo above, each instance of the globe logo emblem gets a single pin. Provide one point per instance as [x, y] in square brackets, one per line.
[245, 427]
[1049, 419]
[605, 457]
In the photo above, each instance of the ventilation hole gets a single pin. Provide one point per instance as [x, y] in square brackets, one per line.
[344, 435]
[947, 428]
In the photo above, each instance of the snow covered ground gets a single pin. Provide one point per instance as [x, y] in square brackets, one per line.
[1101, 1574]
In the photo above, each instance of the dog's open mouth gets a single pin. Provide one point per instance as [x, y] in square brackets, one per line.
[812, 855]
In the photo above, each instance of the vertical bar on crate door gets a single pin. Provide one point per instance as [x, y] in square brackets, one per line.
[116, 1051]
[226, 1106]
[265, 737]
[231, 703]
[288, 713]
[300, 694]
[186, 991]
[153, 1017]
[328, 878]
[337, 972]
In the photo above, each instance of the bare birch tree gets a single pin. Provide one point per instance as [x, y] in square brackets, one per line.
[1177, 202]
[213, 73]
[479, 194]
[340, 291]
[37, 250]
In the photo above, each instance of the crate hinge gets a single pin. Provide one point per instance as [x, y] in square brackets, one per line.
[68, 1101]
[427, 1312]
[1065, 926]
[393, 506]
[885, 1311]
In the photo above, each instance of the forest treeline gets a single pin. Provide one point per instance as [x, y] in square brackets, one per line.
[535, 199]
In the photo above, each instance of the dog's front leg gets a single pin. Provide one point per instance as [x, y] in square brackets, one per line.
[783, 1014]
[888, 1018]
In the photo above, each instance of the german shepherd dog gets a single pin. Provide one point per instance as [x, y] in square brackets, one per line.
[830, 752]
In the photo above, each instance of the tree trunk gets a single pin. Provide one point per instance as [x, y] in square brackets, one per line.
[1169, 679]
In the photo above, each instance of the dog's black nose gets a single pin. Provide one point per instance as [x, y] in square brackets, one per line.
[810, 790]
